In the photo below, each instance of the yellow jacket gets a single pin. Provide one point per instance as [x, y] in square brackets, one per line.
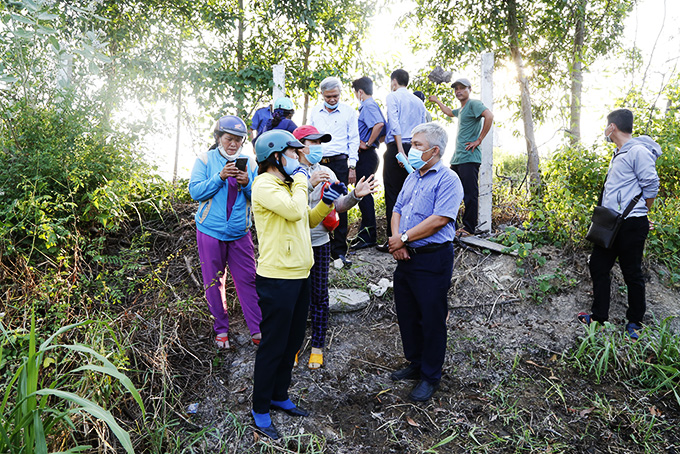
[283, 219]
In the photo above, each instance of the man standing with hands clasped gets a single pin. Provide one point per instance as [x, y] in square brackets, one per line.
[422, 234]
[467, 157]
[632, 173]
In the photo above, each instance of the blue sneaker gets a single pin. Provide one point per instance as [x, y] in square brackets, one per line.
[584, 318]
[632, 330]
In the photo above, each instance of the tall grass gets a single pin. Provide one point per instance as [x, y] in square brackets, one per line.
[653, 362]
[37, 406]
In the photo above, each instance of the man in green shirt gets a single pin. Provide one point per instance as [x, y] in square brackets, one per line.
[467, 157]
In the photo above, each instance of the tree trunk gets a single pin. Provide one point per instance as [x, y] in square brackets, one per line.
[577, 75]
[179, 124]
[527, 115]
[305, 67]
[240, 96]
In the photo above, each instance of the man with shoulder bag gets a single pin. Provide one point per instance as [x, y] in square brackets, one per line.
[629, 191]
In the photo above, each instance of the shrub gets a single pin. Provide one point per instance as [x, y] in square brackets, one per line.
[62, 175]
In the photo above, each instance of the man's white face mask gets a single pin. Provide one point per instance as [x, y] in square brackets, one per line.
[608, 137]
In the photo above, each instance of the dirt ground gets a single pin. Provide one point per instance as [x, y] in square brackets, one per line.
[507, 385]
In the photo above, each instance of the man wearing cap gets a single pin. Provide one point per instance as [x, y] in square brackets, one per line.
[341, 153]
[371, 128]
[467, 156]
[404, 112]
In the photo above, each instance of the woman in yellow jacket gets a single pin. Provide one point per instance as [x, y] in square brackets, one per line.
[283, 220]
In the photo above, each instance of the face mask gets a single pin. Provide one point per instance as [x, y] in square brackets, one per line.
[608, 137]
[229, 157]
[330, 106]
[415, 158]
[315, 154]
[291, 165]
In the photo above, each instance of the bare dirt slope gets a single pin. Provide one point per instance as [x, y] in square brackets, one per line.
[506, 387]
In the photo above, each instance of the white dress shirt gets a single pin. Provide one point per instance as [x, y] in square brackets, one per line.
[343, 126]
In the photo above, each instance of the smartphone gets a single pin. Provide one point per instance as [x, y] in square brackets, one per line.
[242, 164]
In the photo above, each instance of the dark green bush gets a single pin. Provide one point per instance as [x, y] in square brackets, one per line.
[63, 175]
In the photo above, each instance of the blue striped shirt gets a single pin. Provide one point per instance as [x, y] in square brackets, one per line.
[438, 192]
[405, 111]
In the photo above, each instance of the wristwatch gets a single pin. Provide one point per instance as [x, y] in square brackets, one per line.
[404, 237]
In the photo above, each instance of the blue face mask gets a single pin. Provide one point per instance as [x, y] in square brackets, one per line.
[291, 165]
[415, 158]
[332, 107]
[315, 154]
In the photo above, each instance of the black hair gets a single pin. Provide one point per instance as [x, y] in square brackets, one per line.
[274, 161]
[401, 76]
[365, 84]
[420, 95]
[278, 116]
[623, 119]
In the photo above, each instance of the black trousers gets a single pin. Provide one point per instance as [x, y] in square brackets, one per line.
[284, 304]
[628, 248]
[367, 166]
[339, 235]
[469, 177]
[421, 285]
[393, 179]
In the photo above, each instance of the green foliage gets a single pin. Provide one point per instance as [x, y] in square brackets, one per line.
[63, 175]
[37, 408]
[543, 33]
[652, 362]
[573, 179]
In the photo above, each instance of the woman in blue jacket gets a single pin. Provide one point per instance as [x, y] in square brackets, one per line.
[223, 223]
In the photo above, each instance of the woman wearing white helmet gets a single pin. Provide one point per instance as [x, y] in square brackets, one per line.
[283, 221]
[223, 223]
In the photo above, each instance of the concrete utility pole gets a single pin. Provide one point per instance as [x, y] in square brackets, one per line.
[279, 76]
[486, 169]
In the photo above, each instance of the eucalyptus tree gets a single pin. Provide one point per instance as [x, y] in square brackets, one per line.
[554, 38]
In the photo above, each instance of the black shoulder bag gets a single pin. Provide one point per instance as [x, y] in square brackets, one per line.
[605, 223]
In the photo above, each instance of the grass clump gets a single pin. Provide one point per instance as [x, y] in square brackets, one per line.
[652, 363]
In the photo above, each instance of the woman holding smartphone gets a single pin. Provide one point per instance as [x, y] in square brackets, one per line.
[223, 223]
[283, 221]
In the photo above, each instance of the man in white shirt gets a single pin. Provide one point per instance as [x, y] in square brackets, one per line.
[341, 153]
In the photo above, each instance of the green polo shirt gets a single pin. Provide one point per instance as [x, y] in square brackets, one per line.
[469, 127]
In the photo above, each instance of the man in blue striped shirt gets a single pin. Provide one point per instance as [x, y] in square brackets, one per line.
[404, 112]
[423, 228]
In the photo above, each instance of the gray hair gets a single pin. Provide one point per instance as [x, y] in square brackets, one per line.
[434, 134]
[329, 83]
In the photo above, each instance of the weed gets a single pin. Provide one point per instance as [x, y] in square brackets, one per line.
[653, 362]
[38, 414]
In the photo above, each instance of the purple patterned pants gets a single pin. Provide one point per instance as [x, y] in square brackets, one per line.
[318, 308]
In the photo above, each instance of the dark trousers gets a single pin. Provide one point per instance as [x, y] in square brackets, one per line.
[318, 308]
[469, 177]
[339, 235]
[421, 285]
[367, 166]
[284, 304]
[393, 178]
[628, 247]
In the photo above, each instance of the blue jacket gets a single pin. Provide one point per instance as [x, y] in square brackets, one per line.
[632, 171]
[207, 187]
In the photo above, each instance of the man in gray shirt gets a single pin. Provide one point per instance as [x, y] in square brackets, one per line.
[632, 171]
